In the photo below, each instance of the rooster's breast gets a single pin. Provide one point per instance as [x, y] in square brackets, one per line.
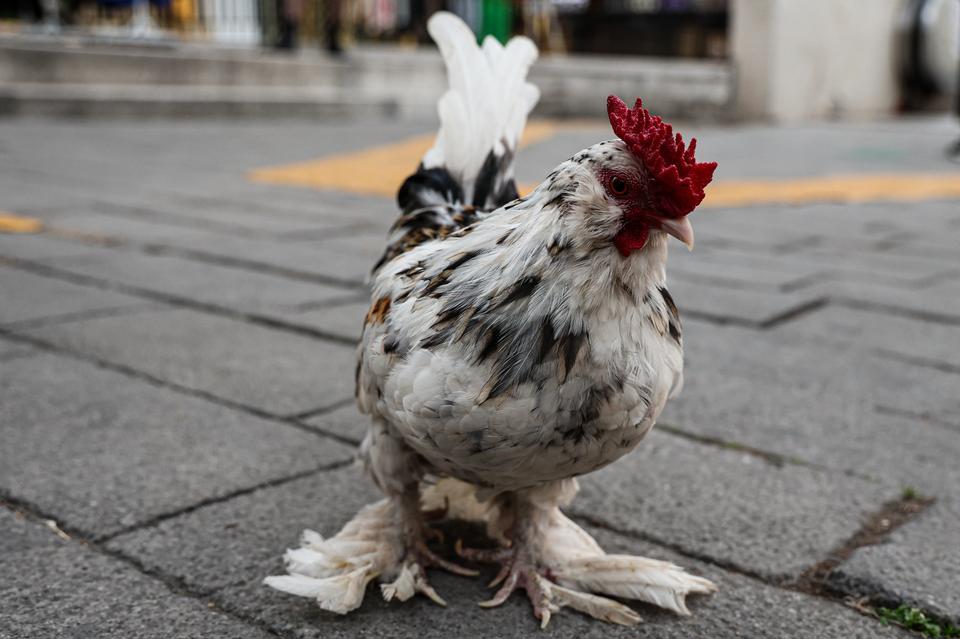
[560, 424]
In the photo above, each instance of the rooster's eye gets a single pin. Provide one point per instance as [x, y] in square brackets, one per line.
[618, 185]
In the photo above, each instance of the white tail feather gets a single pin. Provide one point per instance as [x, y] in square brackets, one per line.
[488, 102]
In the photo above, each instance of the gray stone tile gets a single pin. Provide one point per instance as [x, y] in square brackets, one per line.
[307, 256]
[816, 402]
[763, 271]
[918, 564]
[10, 349]
[345, 320]
[867, 330]
[729, 506]
[242, 289]
[272, 370]
[101, 451]
[27, 297]
[63, 589]
[939, 301]
[40, 246]
[18, 534]
[252, 531]
[346, 421]
[735, 305]
[249, 532]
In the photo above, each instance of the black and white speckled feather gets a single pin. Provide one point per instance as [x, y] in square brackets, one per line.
[527, 350]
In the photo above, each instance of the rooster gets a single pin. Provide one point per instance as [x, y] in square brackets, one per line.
[512, 345]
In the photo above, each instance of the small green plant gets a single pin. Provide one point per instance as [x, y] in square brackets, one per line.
[909, 492]
[915, 619]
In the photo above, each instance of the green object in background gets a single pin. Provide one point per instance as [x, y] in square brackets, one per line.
[496, 19]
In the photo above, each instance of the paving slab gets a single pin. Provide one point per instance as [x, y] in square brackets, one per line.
[738, 306]
[268, 369]
[939, 302]
[818, 403]
[740, 270]
[102, 452]
[345, 320]
[251, 532]
[310, 255]
[347, 422]
[917, 565]
[28, 297]
[732, 507]
[55, 588]
[10, 349]
[908, 337]
[40, 246]
[19, 534]
[241, 289]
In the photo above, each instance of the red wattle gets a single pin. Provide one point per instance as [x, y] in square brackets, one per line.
[631, 238]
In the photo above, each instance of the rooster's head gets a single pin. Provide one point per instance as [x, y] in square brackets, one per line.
[649, 180]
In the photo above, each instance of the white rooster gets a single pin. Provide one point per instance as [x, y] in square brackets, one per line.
[512, 345]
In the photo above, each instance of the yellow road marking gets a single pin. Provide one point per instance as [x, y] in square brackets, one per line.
[852, 188]
[380, 171]
[376, 171]
[10, 223]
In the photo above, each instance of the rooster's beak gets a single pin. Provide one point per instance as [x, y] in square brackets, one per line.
[679, 228]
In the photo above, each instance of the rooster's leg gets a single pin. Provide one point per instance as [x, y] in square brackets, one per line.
[559, 564]
[387, 539]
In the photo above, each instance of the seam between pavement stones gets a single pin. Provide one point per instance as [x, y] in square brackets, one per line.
[153, 521]
[774, 459]
[327, 408]
[196, 255]
[79, 316]
[173, 300]
[876, 529]
[178, 220]
[184, 390]
[923, 362]
[247, 265]
[769, 323]
[806, 584]
[892, 309]
[174, 585]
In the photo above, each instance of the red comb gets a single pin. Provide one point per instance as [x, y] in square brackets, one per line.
[679, 178]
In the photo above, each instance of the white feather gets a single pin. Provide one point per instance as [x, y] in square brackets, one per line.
[488, 102]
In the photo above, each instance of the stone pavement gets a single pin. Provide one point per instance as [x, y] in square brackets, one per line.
[176, 404]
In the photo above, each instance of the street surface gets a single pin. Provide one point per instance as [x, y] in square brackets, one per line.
[178, 304]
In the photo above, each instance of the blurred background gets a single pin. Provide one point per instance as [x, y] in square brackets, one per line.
[722, 59]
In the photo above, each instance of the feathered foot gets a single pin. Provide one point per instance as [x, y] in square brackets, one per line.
[559, 565]
[385, 540]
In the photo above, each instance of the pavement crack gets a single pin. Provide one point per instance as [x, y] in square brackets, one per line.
[875, 530]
